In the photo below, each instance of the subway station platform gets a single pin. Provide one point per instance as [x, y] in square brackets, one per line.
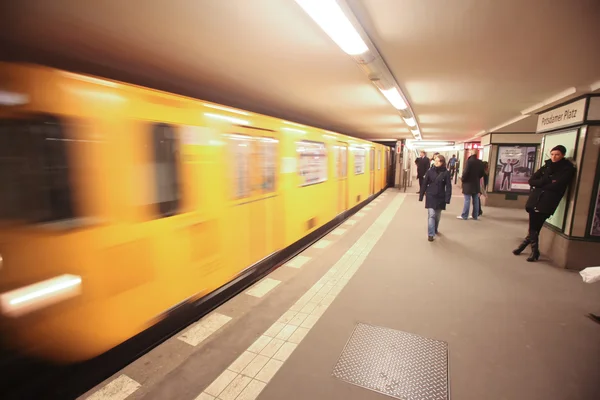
[374, 311]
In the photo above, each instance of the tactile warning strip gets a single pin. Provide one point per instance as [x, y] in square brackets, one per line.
[395, 363]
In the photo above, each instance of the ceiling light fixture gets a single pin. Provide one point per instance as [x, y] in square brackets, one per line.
[330, 17]
[410, 121]
[394, 97]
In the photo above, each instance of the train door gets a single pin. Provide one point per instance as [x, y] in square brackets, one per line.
[372, 171]
[251, 221]
[341, 158]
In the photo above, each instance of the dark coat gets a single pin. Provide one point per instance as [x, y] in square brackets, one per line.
[472, 174]
[548, 186]
[423, 164]
[438, 186]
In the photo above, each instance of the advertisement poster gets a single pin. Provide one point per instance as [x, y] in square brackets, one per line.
[514, 167]
[595, 231]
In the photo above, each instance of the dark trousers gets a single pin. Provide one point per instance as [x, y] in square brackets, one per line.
[536, 222]
[421, 180]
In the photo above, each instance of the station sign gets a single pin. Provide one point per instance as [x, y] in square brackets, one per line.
[571, 114]
[473, 145]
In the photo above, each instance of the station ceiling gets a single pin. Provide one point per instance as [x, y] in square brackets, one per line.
[465, 66]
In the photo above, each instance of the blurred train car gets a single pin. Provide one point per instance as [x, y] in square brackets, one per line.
[118, 203]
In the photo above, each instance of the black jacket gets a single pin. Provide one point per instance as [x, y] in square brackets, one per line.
[548, 186]
[423, 164]
[472, 174]
[438, 186]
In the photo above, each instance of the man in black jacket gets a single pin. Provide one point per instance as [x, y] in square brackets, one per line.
[471, 177]
[422, 168]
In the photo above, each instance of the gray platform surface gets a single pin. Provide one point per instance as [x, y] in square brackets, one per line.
[515, 330]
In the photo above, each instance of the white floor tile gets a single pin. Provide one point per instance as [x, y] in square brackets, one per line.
[252, 390]
[202, 329]
[298, 262]
[263, 287]
[338, 232]
[321, 244]
[235, 388]
[255, 366]
[269, 370]
[285, 351]
[219, 384]
[118, 389]
[260, 344]
[242, 362]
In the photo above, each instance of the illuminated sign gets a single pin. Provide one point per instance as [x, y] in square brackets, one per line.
[473, 145]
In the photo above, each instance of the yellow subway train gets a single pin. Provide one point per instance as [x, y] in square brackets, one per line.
[119, 203]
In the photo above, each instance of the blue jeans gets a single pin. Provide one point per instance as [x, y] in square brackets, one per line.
[475, 199]
[433, 221]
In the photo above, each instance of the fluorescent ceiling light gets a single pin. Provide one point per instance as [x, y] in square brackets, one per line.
[394, 97]
[232, 110]
[330, 17]
[510, 122]
[228, 119]
[410, 121]
[415, 132]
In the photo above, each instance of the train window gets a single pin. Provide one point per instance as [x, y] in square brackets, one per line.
[344, 157]
[359, 160]
[268, 151]
[312, 166]
[372, 159]
[166, 162]
[379, 159]
[34, 171]
[241, 152]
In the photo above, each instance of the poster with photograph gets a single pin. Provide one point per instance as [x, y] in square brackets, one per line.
[514, 167]
[595, 231]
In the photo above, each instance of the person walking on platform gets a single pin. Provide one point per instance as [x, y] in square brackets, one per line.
[422, 167]
[437, 189]
[548, 185]
[484, 184]
[471, 186]
[452, 165]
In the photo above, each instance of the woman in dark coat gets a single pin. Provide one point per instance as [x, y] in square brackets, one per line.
[548, 185]
[437, 187]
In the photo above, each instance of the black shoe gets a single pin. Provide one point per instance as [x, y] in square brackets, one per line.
[594, 318]
[522, 246]
[535, 251]
[430, 238]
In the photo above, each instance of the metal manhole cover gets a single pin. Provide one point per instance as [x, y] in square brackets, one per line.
[395, 363]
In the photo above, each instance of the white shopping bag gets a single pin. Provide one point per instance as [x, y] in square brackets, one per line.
[591, 274]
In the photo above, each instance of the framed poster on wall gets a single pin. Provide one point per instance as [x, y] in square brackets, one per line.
[595, 229]
[514, 166]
